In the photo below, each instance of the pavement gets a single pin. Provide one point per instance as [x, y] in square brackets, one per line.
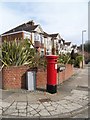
[0, 78]
[71, 98]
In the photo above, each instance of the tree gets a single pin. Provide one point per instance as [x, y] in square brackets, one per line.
[86, 46]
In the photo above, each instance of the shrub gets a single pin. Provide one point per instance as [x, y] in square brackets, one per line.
[16, 53]
[67, 58]
[78, 59]
[38, 61]
[64, 59]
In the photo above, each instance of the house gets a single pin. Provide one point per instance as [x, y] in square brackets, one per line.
[0, 49]
[47, 44]
[55, 38]
[0, 41]
[51, 43]
[75, 48]
[27, 30]
[61, 46]
[67, 47]
[41, 41]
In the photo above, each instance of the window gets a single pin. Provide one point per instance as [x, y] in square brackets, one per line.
[27, 36]
[36, 37]
[59, 41]
[42, 39]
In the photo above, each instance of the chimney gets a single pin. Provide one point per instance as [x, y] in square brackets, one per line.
[31, 22]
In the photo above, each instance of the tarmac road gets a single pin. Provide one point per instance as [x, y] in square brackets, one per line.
[83, 114]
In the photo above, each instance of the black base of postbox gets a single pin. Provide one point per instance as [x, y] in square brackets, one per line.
[51, 89]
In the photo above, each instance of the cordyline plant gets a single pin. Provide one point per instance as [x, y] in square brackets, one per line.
[64, 59]
[17, 53]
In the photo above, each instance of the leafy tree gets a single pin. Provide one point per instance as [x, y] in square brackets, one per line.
[86, 46]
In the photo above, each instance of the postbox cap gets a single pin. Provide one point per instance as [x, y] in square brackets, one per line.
[51, 56]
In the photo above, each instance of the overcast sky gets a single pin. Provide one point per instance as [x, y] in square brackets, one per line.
[66, 18]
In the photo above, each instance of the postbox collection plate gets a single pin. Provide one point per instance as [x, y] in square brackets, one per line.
[55, 66]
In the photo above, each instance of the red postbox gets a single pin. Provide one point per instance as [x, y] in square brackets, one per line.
[51, 73]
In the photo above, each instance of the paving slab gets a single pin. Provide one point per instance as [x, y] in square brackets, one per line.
[40, 107]
[44, 112]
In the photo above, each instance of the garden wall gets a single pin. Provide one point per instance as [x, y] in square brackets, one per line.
[65, 74]
[15, 77]
[41, 78]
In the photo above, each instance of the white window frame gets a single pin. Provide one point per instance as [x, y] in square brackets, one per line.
[36, 37]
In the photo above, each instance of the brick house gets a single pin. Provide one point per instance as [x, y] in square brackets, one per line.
[40, 40]
[27, 30]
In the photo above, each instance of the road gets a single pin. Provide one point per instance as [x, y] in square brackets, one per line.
[83, 114]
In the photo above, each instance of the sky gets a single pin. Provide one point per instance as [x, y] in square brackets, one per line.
[68, 19]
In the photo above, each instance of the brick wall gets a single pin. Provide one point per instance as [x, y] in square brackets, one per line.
[14, 77]
[61, 77]
[41, 78]
[64, 75]
[12, 37]
[67, 73]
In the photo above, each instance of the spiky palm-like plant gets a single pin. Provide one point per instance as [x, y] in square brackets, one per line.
[16, 53]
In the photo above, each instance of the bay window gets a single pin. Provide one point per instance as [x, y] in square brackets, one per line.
[41, 39]
[36, 37]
